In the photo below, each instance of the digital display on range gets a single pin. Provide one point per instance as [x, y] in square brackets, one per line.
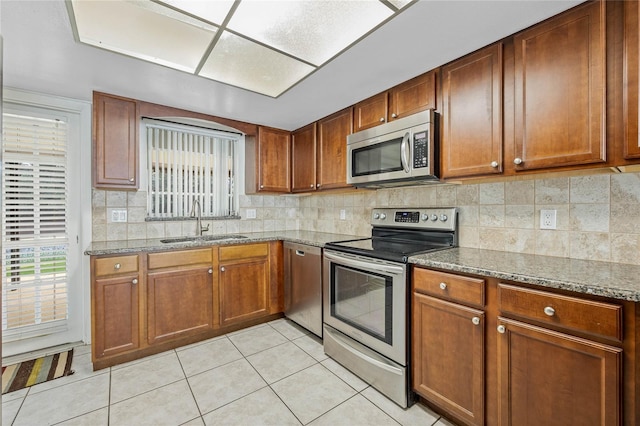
[407, 217]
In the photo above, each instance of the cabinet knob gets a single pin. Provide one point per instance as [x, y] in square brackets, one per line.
[382, 119]
[222, 268]
[131, 179]
[318, 185]
[134, 281]
[211, 270]
[443, 286]
[475, 320]
[549, 311]
[501, 329]
[394, 115]
[117, 266]
[494, 164]
[517, 161]
[261, 186]
[312, 185]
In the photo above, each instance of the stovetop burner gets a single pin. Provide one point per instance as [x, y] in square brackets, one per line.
[398, 234]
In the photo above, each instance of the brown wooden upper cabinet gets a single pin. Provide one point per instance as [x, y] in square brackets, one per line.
[273, 160]
[332, 149]
[559, 96]
[303, 159]
[115, 142]
[631, 148]
[415, 95]
[471, 136]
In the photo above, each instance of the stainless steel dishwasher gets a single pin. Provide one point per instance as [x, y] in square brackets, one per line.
[303, 285]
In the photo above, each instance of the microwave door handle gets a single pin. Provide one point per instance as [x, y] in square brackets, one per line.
[405, 146]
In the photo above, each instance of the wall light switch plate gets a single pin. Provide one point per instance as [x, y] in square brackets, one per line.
[343, 214]
[251, 213]
[117, 215]
[547, 219]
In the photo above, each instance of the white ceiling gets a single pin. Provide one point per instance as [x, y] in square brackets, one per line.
[41, 54]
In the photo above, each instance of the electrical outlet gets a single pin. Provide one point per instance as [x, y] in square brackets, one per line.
[343, 214]
[251, 213]
[117, 215]
[547, 219]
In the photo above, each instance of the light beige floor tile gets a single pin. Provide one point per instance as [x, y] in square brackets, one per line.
[311, 345]
[65, 402]
[356, 411]
[19, 394]
[169, 405]
[351, 379]
[145, 376]
[416, 414]
[444, 422]
[312, 392]
[281, 361]
[244, 330]
[288, 328]
[195, 422]
[202, 342]
[215, 388]
[82, 369]
[259, 408]
[10, 410]
[95, 418]
[257, 339]
[81, 350]
[210, 355]
[138, 361]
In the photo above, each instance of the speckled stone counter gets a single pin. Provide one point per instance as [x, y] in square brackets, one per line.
[318, 239]
[614, 280]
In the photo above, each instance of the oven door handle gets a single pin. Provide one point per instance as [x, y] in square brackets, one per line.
[405, 152]
[370, 266]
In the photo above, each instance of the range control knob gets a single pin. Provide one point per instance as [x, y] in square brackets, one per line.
[443, 217]
[383, 216]
[376, 215]
[434, 217]
[425, 217]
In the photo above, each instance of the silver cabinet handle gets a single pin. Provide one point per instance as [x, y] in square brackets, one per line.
[117, 266]
[501, 329]
[475, 320]
[394, 115]
[494, 164]
[517, 161]
[222, 269]
[382, 119]
[443, 286]
[134, 281]
[549, 311]
[210, 270]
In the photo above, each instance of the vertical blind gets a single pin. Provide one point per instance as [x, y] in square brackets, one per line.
[186, 164]
[34, 225]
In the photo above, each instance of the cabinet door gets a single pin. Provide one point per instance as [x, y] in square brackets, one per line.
[332, 149]
[303, 159]
[115, 142]
[560, 90]
[115, 315]
[244, 290]
[550, 378]
[448, 356]
[274, 148]
[415, 95]
[472, 114]
[371, 112]
[632, 77]
[179, 303]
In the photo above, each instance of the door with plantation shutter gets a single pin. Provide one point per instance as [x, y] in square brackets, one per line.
[40, 228]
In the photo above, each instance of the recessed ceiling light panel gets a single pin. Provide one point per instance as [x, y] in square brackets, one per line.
[127, 28]
[314, 31]
[243, 63]
[212, 11]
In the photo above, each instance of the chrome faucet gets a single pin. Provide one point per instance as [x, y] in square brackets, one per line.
[198, 215]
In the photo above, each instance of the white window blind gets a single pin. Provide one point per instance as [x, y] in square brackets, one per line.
[185, 164]
[34, 225]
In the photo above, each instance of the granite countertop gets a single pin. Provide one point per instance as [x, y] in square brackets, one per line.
[614, 280]
[317, 239]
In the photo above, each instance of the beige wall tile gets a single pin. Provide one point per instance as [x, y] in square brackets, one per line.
[116, 199]
[625, 248]
[492, 193]
[552, 243]
[552, 191]
[589, 217]
[491, 215]
[519, 192]
[520, 240]
[136, 231]
[492, 238]
[625, 188]
[590, 245]
[467, 195]
[590, 189]
[520, 216]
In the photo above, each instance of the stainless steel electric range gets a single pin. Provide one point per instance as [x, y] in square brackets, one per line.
[366, 294]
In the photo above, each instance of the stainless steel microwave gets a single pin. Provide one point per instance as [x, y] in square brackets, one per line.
[401, 152]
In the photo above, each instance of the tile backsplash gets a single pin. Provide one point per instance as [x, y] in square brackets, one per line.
[598, 216]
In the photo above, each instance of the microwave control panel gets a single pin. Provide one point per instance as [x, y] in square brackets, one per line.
[421, 149]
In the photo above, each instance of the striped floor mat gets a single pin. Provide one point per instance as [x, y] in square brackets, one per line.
[29, 373]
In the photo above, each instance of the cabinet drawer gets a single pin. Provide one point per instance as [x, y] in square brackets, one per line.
[116, 265]
[179, 258]
[449, 286]
[572, 313]
[243, 251]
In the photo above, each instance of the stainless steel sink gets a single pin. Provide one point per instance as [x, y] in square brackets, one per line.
[202, 238]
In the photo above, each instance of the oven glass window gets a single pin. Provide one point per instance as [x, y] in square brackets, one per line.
[363, 300]
[378, 158]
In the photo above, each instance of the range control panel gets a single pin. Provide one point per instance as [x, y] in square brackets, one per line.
[437, 218]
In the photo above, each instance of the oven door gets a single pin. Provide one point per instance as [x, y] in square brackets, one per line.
[365, 298]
